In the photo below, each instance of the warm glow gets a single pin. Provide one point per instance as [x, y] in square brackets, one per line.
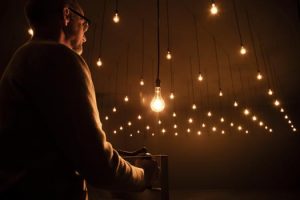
[286, 117]
[126, 99]
[259, 76]
[199, 132]
[153, 134]
[246, 131]
[157, 103]
[172, 95]
[223, 132]
[281, 110]
[200, 77]
[174, 114]
[175, 126]
[276, 103]
[261, 123]
[209, 114]
[214, 129]
[214, 9]
[169, 56]
[240, 128]
[243, 50]
[147, 127]
[270, 130]
[139, 117]
[138, 131]
[203, 125]
[220, 93]
[159, 122]
[106, 117]
[129, 123]
[254, 118]
[231, 124]
[292, 126]
[115, 132]
[30, 32]
[176, 134]
[188, 130]
[246, 112]
[130, 135]
[194, 107]
[266, 127]
[270, 92]
[116, 18]
[289, 121]
[114, 109]
[121, 127]
[294, 129]
[163, 130]
[142, 82]
[99, 62]
[191, 120]
[235, 104]
[222, 119]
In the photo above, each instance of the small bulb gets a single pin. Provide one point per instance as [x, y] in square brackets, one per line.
[188, 130]
[261, 123]
[130, 135]
[270, 130]
[246, 131]
[99, 62]
[163, 130]
[138, 131]
[169, 56]
[200, 77]
[289, 121]
[292, 126]
[153, 134]
[231, 124]
[121, 128]
[126, 99]
[222, 119]
[286, 117]
[220, 93]
[176, 134]
[190, 120]
[157, 104]
[214, 129]
[175, 126]
[139, 117]
[240, 128]
[203, 125]
[115, 132]
[199, 133]
[213, 9]
[30, 32]
[266, 127]
[223, 132]
[235, 104]
[116, 18]
[243, 50]
[142, 82]
[281, 110]
[129, 123]
[174, 114]
[114, 109]
[294, 129]
[259, 76]
[209, 114]
[276, 103]
[246, 112]
[106, 117]
[147, 127]
[194, 107]
[254, 118]
[270, 92]
[172, 95]
[159, 121]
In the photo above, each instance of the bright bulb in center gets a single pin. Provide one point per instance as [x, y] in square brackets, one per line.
[157, 104]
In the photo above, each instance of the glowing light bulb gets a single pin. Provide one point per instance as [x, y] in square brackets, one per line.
[176, 134]
[240, 128]
[99, 62]
[214, 129]
[172, 95]
[174, 114]
[163, 130]
[276, 103]
[270, 130]
[294, 129]
[292, 126]
[209, 114]
[121, 128]
[261, 123]
[190, 120]
[220, 93]
[138, 131]
[126, 99]
[281, 110]
[223, 132]
[259, 76]
[169, 56]
[157, 103]
[194, 107]
[243, 50]
[114, 109]
[199, 133]
[203, 125]
[289, 121]
[188, 130]
[214, 9]
[175, 126]
[115, 132]
[30, 32]
[254, 118]
[231, 124]
[286, 117]
[130, 135]
[129, 123]
[153, 134]
[106, 117]
[147, 127]
[116, 18]
[270, 92]
[246, 112]
[235, 104]
[142, 82]
[139, 117]
[222, 119]
[266, 127]
[246, 131]
[200, 77]
[159, 121]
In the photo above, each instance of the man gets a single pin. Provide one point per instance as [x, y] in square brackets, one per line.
[51, 137]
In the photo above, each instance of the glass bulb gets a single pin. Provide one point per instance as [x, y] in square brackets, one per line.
[259, 76]
[200, 77]
[121, 128]
[199, 132]
[281, 110]
[254, 118]
[142, 82]
[235, 104]
[270, 92]
[214, 9]
[176, 134]
[240, 128]
[188, 130]
[243, 50]
[99, 62]
[172, 95]
[286, 117]
[270, 130]
[222, 119]
[159, 121]
[175, 126]
[203, 125]
[129, 123]
[220, 93]
[261, 123]
[157, 104]
[169, 56]
[276, 103]
[139, 117]
[246, 112]
[163, 130]
[174, 114]
[114, 109]
[231, 124]
[147, 127]
[209, 114]
[214, 129]
[294, 129]
[194, 107]
[246, 131]
[116, 18]
[223, 132]
[115, 132]
[126, 99]
[191, 120]
[106, 117]
[30, 32]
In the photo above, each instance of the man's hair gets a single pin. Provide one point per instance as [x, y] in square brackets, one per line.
[41, 12]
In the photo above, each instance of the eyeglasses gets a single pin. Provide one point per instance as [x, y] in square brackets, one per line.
[86, 23]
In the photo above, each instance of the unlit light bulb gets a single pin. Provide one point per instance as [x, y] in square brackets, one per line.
[157, 104]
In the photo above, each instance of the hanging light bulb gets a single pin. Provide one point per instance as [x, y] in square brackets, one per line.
[240, 128]
[99, 62]
[30, 32]
[129, 123]
[243, 50]
[153, 134]
[281, 110]
[106, 117]
[231, 124]
[172, 95]
[142, 82]
[289, 121]
[174, 114]
[222, 119]
[188, 130]
[220, 93]
[169, 56]
[121, 128]
[270, 92]
[138, 131]
[294, 129]
[286, 117]
[191, 120]
[175, 126]
[214, 129]
[235, 104]
[199, 133]
[163, 130]
[115, 132]
[147, 127]
[259, 76]
[246, 131]
[270, 130]
[116, 18]
[139, 117]
[126, 98]
[254, 118]
[276, 103]
[200, 77]
[114, 109]
[261, 123]
[203, 125]
[214, 9]
[176, 134]
[246, 112]
[159, 122]
[266, 127]
[223, 132]
[209, 114]
[157, 104]
[194, 107]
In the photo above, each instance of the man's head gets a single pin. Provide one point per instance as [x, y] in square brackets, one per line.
[62, 20]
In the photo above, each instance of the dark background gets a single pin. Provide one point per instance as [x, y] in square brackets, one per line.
[236, 160]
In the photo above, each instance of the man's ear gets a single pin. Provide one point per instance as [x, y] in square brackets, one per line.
[66, 15]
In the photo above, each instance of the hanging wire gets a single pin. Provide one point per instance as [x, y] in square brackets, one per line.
[127, 69]
[218, 64]
[242, 85]
[158, 49]
[253, 42]
[192, 82]
[265, 65]
[143, 48]
[237, 22]
[231, 77]
[116, 10]
[102, 27]
[116, 82]
[168, 24]
[197, 44]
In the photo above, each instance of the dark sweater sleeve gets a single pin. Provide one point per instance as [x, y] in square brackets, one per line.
[64, 93]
